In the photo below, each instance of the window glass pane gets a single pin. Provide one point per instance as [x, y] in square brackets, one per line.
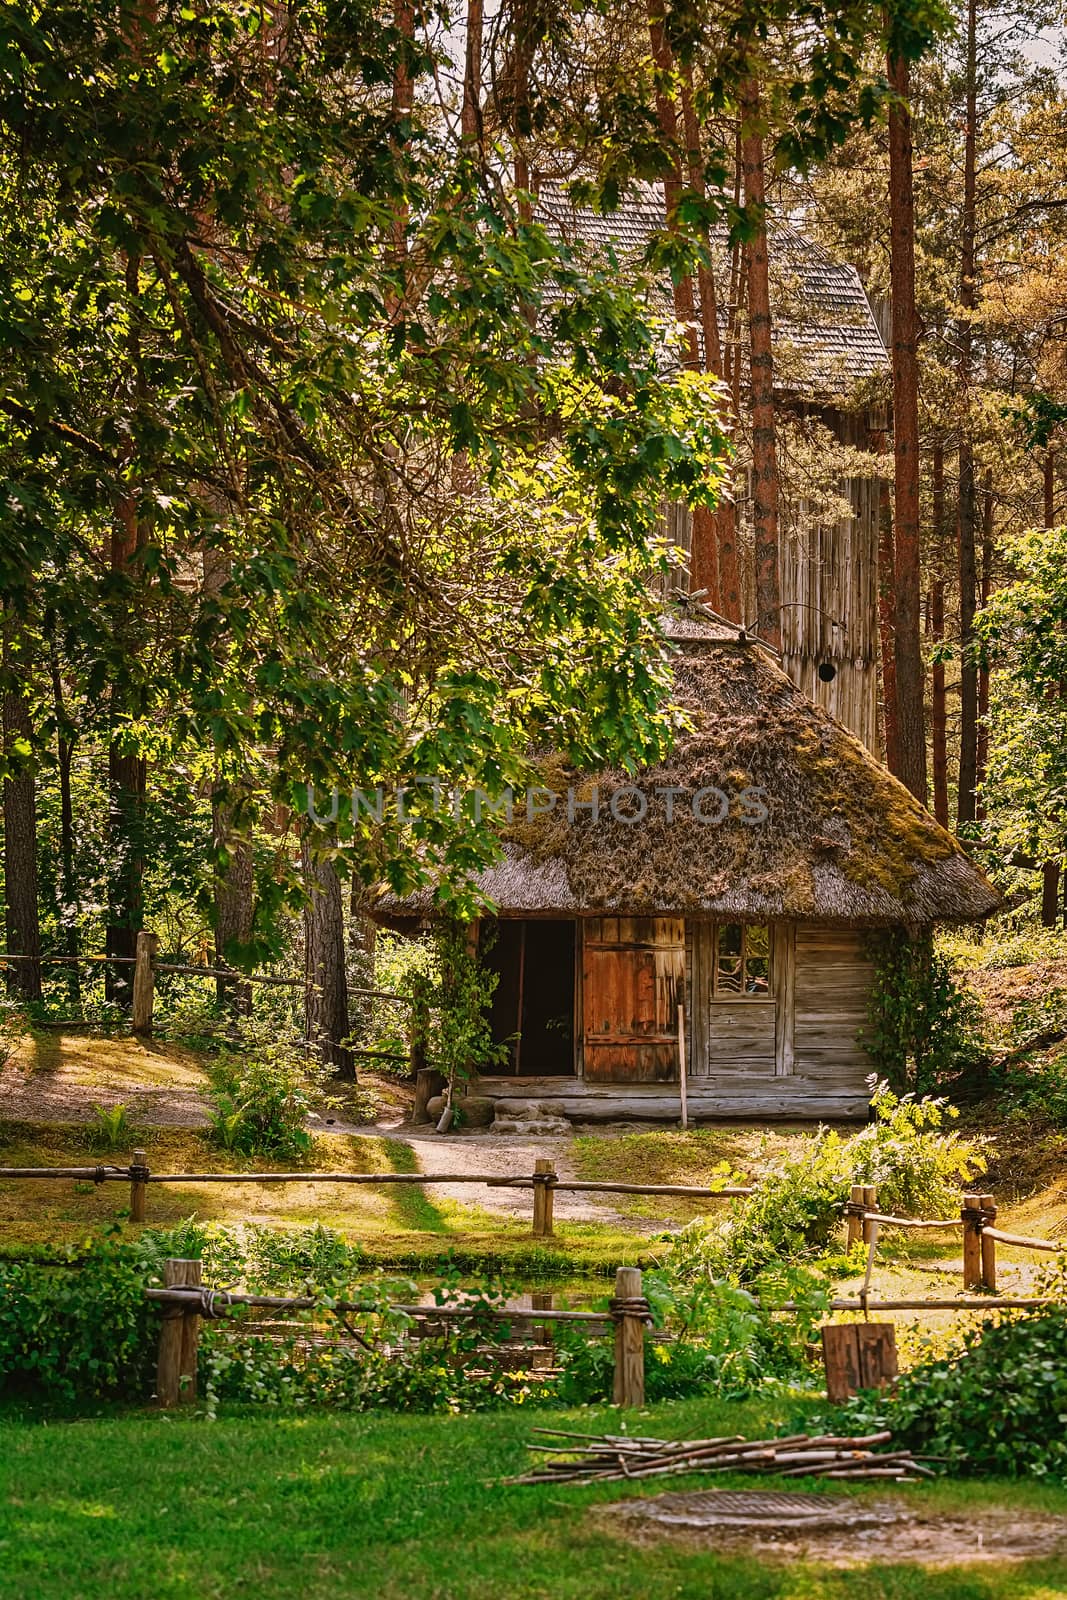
[758, 941]
[728, 976]
[757, 975]
[730, 939]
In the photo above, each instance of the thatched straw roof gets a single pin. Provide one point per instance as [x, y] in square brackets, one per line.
[841, 839]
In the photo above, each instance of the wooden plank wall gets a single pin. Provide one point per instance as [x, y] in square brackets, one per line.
[833, 981]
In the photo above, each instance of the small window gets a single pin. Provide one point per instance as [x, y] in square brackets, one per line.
[742, 961]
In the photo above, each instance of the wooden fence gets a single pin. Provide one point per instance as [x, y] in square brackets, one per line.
[186, 1303]
[977, 1219]
[146, 965]
[543, 1181]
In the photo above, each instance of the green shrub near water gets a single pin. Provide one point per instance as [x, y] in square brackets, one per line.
[796, 1211]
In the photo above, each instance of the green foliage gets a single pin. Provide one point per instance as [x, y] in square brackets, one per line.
[796, 1210]
[1021, 631]
[110, 1129]
[997, 1406]
[85, 1331]
[261, 1101]
[453, 996]
[923, 1027]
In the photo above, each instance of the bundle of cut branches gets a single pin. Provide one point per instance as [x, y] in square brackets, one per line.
[616, 1458]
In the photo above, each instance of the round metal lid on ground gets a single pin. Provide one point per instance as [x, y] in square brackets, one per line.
[762, 1511]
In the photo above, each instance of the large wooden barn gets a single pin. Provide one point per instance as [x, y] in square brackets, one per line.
[742, 880]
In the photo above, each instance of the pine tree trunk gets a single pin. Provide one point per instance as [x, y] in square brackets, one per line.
[68, 872]
[324, 964]
[711, 529]
[764, 448]
[233, 909]
[968, 572]
[21, 922]
[938, 703]
[907, 641]
[886, 612]
[986, 583]
[471, 112]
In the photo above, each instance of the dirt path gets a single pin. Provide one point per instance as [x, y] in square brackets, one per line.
[65, 1077]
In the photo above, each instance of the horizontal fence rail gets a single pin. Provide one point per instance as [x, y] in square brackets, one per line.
[543, 1182]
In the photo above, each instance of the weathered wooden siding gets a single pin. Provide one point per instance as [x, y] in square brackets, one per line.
[633, 977]
[829, 583]
[833, 982]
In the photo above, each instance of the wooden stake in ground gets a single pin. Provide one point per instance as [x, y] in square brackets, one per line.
[629, 1337]
[682, 1083]
[544, 1178]
[144, 983]
[177, 1345]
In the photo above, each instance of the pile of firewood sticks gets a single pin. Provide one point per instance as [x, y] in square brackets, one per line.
[616, 1458]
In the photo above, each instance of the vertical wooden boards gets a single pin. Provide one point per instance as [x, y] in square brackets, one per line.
[833, 978]
[858, 1355]
[633, 980]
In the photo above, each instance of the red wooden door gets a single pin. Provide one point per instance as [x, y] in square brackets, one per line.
[633, 973]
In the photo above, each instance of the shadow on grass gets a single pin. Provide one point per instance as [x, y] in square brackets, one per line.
[412, 1206]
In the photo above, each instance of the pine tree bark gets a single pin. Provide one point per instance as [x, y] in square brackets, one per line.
[938, 702]
[325, 971]
[761, 360]
[907, 642]
[68, 873]
[21, 918]
[968, 573]
[712, 530]
[985, 579]
[471, 111]
[127, 772]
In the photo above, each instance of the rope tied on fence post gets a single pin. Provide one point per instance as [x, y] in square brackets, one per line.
[631, 1313]
[139, 1175]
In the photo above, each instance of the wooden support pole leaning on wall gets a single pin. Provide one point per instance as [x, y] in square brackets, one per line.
[989, 1245]
[972, 1241]
[138, 1186]
[683, 1087]
[629, 1309]
[144, 979]
[544, 1179]
[176, 1371]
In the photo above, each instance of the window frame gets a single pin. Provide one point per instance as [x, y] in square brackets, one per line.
[731, 996]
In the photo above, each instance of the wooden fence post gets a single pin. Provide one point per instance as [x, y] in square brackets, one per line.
[144, 983]
[629, 1308]
[870, 1203]
[138, 1186]
[177, 1343]
[855, 1221]
[989, 1245]
[970, 1214]
[544, 1177]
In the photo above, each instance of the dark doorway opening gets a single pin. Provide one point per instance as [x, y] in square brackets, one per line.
[534, 998]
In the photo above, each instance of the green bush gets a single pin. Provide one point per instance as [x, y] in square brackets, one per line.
[998, 1406]
[110, 1129]
[796, 1211]
[83, 1331]
[261, 1100]
[923, 1028]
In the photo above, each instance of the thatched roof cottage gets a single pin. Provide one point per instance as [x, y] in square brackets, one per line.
[740, 881]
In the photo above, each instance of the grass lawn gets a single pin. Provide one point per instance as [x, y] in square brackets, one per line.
[398, 1508]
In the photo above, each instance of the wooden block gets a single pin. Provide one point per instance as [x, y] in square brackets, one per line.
[858, 1355]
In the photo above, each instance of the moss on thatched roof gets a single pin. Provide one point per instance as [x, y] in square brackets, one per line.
[814, 827]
